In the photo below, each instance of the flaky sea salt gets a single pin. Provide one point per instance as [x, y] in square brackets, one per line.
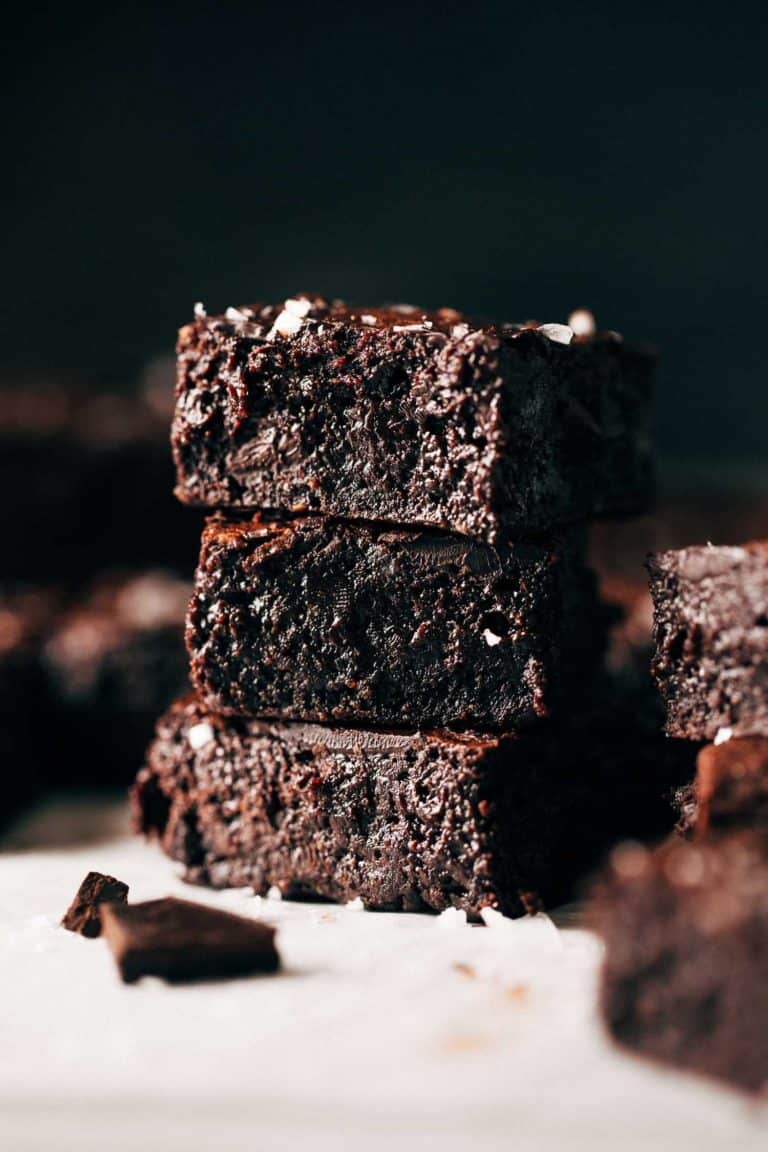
[199, 735]
[560, 333]
[582, 322]
[491, 638]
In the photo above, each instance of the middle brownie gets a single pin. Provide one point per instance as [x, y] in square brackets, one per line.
[316, 619]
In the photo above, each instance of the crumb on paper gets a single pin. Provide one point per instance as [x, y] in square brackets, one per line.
[517, 993]
[461, 1042]
[465, 970]
[452, 918]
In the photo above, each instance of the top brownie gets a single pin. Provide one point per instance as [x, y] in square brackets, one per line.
[410, 417]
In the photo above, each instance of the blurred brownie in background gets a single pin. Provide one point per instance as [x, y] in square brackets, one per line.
[88, 478]
[686, 934]
[25, 616]
[111, 662]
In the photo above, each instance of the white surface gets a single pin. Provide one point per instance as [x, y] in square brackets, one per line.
[381, 1031]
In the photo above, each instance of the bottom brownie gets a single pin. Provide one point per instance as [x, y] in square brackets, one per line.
[412, 822]
[686, 934]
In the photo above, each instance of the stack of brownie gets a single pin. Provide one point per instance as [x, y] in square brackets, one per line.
[395, 641]
[686, 925]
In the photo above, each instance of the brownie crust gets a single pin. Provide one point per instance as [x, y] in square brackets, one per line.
[711, 639]
[409, 417]
[686, 934]
[328, 621]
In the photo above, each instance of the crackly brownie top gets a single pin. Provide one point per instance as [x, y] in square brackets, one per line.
[268, 322]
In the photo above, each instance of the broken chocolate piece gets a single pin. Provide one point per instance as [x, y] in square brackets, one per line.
[84, 913]
[179, 941]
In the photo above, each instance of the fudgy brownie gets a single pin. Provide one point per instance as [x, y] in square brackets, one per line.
[411, 417]
[403, 821]
[686, 933]
[113, 661]
[711, 636]
[730, 790]
[313, 619]
[90, 475]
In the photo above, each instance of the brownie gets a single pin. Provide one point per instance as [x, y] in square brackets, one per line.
[730, 790]
[316, 619]
[84, 913]
[412, 417]
[113, 660]
[91, 474]
[25, 614]
[180, 941]
[403, 821]
[711, 639]
[686, 935]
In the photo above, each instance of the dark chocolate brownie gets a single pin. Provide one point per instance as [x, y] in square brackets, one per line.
[90, 475]
[84, 913]
[686, 934]
[314, 619]
[113, 661]
[711, 637]
[181, 941]
[410, 417]
[730, 790]
[403, 821]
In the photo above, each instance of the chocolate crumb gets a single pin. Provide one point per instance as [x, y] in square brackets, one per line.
[83, 914]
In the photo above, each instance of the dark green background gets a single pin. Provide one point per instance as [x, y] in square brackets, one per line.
[517, 160]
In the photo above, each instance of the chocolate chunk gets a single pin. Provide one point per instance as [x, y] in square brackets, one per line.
[84, 913]
[182, 941]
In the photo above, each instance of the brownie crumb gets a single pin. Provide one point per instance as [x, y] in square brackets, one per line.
[84, 913]
[182, 941]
